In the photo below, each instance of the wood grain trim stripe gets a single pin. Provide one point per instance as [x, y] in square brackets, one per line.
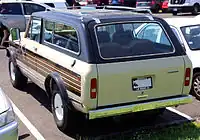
[72, 80]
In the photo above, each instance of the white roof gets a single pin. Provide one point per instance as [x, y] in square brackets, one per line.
[180, 22]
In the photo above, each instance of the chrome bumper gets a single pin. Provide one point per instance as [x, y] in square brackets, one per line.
[9, 132]
[100, 113]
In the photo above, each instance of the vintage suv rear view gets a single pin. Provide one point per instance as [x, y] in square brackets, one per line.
[101, 62]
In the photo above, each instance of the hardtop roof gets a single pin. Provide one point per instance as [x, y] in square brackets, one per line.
[101, 14]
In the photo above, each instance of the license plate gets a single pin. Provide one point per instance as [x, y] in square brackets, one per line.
[142, 83]
[175, 9]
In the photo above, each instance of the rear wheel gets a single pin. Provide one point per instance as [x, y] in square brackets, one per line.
[64, 117]
[196, 85]
[195, 9]
[17, 79]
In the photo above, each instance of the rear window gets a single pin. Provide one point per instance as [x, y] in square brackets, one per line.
[121, 40]
[11, 8]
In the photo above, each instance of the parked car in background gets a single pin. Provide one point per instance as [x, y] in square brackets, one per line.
[153, 5]
[8, 123]
[181, 6]
[15, 14]
[97, 54]
[60, 4]
[164, 6]
[187, 30]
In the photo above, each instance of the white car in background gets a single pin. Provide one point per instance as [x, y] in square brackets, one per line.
[187, 30]
[8, 123]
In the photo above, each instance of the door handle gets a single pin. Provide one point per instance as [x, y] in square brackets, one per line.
[74, 62]
[173, 71]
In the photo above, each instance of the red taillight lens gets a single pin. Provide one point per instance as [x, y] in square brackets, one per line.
[93, 88]
[187, 76]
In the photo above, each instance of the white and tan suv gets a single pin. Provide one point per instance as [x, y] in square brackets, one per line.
[94, 62]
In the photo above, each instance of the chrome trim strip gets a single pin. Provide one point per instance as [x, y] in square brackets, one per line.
[100, 113]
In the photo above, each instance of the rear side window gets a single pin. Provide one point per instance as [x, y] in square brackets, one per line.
[122, 40]
[30, 8]
[62, 36]
[11, 8]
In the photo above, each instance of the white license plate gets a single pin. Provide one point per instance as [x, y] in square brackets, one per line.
[142, 83]
[175, 9]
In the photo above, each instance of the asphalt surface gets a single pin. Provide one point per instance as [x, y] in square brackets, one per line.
[33, 103]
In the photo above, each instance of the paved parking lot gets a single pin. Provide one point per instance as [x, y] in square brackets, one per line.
[34, 110]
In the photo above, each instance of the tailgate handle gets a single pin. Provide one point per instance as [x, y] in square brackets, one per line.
[173, 71]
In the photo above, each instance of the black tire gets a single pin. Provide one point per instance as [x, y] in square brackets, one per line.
[156, 10]
[164, 10]
[68, 118]
[174, 13]
[195, 9]
[19, 81]
[194, 92]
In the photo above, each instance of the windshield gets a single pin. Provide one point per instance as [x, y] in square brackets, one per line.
[192, 36]
[132, 39]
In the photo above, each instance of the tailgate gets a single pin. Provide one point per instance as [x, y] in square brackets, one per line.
[132, 81]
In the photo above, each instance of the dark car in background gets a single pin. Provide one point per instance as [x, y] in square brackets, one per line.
[153, 5]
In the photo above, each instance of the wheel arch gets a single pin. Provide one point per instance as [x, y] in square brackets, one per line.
[195, 70]
[10, 53]
[55, 78]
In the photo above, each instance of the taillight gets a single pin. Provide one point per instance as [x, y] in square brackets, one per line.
[93, 88]
[187, 76]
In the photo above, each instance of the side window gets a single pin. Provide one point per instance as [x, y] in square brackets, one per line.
[66, 37]
[30, 8]
[35, 29]
[11, 8]
[48, 31]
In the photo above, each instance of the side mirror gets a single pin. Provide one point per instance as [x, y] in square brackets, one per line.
[15, 34]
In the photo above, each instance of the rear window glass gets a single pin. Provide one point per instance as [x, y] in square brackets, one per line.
[132, 39]
[11, 8]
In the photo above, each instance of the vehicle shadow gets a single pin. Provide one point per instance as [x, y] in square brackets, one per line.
[39, 94]
[122, 127]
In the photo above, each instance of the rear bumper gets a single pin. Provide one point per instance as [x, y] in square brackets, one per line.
[9, 132]
[100, 113]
